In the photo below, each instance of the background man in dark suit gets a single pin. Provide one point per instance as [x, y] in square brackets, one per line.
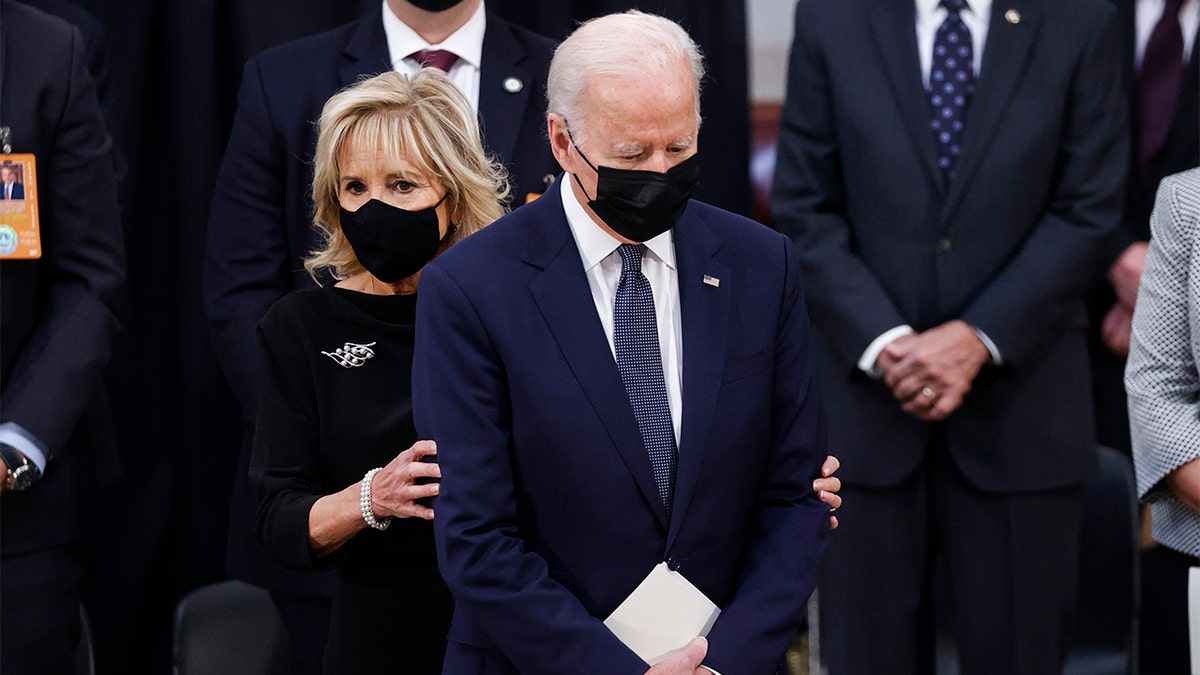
[612, 385]
[55, 338]
[9, 187]
[950, 176]
[260, 221]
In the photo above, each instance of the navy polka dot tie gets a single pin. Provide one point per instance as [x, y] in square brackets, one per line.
[635, 337]
[951, 85]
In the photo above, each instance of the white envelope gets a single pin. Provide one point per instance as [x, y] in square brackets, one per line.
[662, 615]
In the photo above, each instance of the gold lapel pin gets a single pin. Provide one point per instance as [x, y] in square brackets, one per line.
[1012, 16]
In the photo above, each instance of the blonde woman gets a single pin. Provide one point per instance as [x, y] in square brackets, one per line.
[400, 175]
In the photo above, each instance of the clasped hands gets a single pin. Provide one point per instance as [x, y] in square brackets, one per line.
[931, 372]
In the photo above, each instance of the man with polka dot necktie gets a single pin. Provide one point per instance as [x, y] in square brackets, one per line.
[949, 172]
[951, 85]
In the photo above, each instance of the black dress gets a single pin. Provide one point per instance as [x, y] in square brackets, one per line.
[336, 402]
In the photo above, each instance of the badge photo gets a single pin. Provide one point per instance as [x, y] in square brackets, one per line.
[20, 234]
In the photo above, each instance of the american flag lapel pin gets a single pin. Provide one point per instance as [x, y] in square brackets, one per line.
[710, 280]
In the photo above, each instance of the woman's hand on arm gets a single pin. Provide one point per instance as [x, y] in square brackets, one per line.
[334, 519]
[395, 491]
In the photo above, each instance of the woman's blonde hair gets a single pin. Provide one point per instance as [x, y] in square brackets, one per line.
[424, 120]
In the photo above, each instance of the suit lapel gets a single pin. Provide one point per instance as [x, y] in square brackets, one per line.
[1005, 56]
[704, 310]
[366, 51]
[564, 298]
[506, 86]
[893, 26]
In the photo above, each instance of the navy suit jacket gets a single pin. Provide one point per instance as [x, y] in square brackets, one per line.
[260, 223]
[1008, 247]
[18, 191]
[59, 311]
[548, 515]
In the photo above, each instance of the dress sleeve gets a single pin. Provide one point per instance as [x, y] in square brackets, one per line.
[285, 465]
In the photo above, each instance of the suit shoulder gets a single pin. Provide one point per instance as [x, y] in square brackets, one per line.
[30, 24]
[1076, 16]
[499, 245]
[536, 45]
[298, 55]
[731, 225]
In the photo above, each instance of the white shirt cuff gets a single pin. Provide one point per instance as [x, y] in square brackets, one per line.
[26, 443]
[871, 355]
[991, 346]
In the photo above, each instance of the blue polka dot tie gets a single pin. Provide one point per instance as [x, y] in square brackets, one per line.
[635, 337]
[951, 85]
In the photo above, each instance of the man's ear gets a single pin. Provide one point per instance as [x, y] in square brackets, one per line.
[560, 142]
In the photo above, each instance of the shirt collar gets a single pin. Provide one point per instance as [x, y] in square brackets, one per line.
[594, 243]
[466, 43]
[977, 7]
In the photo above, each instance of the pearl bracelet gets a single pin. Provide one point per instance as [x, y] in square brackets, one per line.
[364, 502]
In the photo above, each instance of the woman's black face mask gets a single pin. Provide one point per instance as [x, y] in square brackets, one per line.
[391, 242]
[640, 205]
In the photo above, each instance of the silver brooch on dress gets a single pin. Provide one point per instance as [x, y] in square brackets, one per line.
[352, 355]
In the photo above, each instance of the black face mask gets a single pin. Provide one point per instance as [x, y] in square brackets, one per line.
[434, 5]
[640, 205]
[391, 242]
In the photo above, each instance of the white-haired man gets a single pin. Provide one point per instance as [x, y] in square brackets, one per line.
[618, 378]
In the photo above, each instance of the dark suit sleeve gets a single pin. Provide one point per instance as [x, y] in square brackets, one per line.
[1038, 291]
[460, 399]
[791, 525]
[246, 251]
[809, 204]
[59, 368]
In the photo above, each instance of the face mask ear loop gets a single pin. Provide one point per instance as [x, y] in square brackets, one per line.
[585, 159]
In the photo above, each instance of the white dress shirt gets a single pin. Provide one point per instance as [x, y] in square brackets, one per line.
[1148, 12]
[466, 43]
[602, 265]
[930, 15]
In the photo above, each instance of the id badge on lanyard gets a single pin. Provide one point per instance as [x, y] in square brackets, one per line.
[20, 234]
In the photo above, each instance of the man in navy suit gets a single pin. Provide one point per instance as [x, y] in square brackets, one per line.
[949, 176]
[618, 377]
[56, 336]
[260, 223]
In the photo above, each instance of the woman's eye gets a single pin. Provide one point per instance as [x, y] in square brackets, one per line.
[403, 186]
[355, 188]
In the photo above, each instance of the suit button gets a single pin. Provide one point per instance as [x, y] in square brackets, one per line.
[673, 564]
[944, 245]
